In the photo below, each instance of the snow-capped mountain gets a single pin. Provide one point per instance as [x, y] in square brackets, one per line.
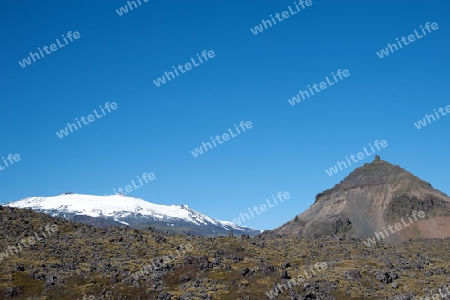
[137, 213]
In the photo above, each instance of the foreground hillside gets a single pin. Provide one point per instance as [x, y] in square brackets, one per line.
[74, 261]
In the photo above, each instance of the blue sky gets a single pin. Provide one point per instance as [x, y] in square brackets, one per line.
[250, 78]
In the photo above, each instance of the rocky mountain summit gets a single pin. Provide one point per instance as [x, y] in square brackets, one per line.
[369, 200]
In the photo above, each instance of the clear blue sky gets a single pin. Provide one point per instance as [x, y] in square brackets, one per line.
[250, 78]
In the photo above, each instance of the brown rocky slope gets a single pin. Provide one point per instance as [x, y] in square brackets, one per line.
[370, 199]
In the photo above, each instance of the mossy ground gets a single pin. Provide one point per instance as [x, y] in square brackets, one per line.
[84, 260]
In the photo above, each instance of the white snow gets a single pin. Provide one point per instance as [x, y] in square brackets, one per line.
[125, 223]
[117, 206]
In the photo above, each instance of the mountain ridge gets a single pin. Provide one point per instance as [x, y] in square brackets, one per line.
[371, 198]
[119, 210]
